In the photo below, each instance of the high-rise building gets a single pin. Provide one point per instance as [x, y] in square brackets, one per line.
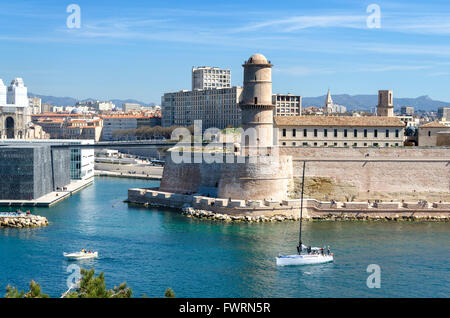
[385, 103]
[206, 77]
[287, 105]
[218, 108]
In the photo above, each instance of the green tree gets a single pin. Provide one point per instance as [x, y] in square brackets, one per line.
[34, 292]
[169, 293]
[92, 286]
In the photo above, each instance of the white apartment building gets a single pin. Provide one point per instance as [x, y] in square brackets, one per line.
[206, 77]
[97, 105]
[339, 131]
[127, 107]
[114, 123]
[218, 108]
[287, 105]
[35, 104]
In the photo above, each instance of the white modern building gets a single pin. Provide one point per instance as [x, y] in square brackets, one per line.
[206, 77]
[81, 159]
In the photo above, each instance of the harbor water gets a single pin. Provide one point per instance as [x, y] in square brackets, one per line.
[152, 249]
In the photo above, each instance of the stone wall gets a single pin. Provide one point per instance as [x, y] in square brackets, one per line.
[245, 178]
[377, 169]
[312, 209]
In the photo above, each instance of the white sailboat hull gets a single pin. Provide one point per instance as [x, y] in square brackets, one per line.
[304, 259]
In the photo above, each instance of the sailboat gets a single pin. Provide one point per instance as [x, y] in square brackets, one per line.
[306, 255]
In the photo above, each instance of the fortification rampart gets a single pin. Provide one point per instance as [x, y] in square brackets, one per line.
[312, 209]
[377, 169]
[239, 177]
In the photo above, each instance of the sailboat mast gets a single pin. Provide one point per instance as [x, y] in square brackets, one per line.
[301, 209]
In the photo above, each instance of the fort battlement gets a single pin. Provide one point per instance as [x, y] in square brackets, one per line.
[313, 209]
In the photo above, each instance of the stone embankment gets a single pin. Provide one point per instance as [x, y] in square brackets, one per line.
[208, 215]
[23, 221]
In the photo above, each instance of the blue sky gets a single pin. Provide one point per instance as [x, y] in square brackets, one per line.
[141, 49]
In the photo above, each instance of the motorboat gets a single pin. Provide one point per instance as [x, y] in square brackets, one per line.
[81, 255]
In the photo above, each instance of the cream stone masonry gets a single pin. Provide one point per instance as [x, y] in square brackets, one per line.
[340, 131]
[256, 103]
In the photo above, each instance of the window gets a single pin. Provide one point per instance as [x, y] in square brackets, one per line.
[387, 133]
[284, 144]
[305, 144]
[375, 134]
[315, 132]
[345, 133]
[396, 133]
[386, 144]
[355, 144]
[284, 132]
[345, 144]
[294, 132]
[325, 132]
[335, 144]
[429, 133]
[325, 143]
[315, 144]
[365, 133]
[375, 144]
[294, 144]
[396, 144]
[305, 132]
[365, 144]
[335, 133]
[355, 133]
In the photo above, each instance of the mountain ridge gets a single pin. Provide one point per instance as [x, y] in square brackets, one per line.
[352, 102]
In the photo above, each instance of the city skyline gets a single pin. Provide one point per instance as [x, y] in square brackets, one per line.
[144, 51]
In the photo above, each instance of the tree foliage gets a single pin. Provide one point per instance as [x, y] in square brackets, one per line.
[169, 293]
[34, 292]
[91, 286]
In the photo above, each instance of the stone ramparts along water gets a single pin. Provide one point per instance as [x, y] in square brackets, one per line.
[273, 210]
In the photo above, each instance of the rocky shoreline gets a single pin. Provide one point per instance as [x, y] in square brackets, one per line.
[23, 221]
[208, 215]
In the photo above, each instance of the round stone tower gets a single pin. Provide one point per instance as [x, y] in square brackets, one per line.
[256, 103]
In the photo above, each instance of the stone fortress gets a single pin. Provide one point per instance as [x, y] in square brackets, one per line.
[263, 179]
[257, 172]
